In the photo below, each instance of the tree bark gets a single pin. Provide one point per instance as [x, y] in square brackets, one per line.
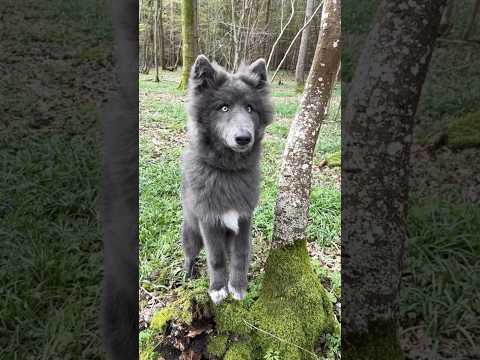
[172, 51]
[188, 46]
[302, 52]
[161, 43]
[446, 21]
[291, 212]
[196, 29]
[377, 135]
[469, 29]
[292, 304]
[155, 40]
[235, 36]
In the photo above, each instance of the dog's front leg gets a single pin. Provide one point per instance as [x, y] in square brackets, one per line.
[239, 260]
[214, 239]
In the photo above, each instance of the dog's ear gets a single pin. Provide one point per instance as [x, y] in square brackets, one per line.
[259, 67]
[203, 73]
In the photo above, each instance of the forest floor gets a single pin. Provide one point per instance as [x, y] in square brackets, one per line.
[440, 286]
[56, 71]
[162, 137]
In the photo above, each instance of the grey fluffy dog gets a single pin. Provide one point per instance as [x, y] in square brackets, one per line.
[227, 116]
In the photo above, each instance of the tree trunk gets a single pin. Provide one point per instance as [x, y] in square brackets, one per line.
[469, 29]
[302, 52]
[302, 313]
[161, 43]
[188, 46]
[267, 15]
[172, 51]
[155, 40]
[236, 44]
[377, 135]
[446, 21]
[196, 29]
[291, 213]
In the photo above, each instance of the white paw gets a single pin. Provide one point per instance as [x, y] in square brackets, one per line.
[237, 294]
[218, 296]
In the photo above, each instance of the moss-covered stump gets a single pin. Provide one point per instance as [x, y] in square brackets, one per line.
[217, 345]
[292, 305]
[290, 315]
[465, 132]
[241, 350]
[380, 342]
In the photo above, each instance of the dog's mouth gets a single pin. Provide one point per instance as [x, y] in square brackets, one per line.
[241, 149]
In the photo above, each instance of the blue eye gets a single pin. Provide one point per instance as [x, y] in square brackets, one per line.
[225, 108]
[249, 108]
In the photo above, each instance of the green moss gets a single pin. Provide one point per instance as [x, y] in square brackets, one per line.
[161, 318]
[465, 132]
[230, 316]
[292, 305]
[380, 342]
[146, 345]
[217, 345]
[334, 159]
[147, 354]
[298, 310]
[191, 303]
[241, 350]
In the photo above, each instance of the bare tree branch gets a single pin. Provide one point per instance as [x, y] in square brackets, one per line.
[292, 2]
[294, 39]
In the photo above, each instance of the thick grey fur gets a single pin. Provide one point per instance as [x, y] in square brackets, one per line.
[219, 175]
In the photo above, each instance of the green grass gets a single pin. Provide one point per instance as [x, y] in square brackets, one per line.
[160, 210]
[51, 258]
[442, 287]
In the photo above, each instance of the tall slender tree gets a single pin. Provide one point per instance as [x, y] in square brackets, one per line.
[291, 212]
[377, 135]
[302, 52]
[188, 47]
[292, 299]
[161, 43]
[155, 40]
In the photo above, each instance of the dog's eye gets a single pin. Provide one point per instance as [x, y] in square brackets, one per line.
[249, 108]
[225, 108]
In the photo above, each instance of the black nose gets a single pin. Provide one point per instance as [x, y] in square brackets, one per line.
[243, 139]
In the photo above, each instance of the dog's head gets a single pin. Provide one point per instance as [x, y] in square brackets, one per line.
[230, 109]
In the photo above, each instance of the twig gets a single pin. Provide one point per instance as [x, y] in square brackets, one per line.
[294, 39]
[280, 339]
[281, 33]
[153, 297]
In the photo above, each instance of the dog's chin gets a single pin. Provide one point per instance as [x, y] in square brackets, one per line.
[241, 149]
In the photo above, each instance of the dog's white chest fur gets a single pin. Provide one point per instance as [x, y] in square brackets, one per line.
[230, 220]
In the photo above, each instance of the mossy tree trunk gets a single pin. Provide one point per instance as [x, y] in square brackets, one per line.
[188, 46]
[292, 304]
[377, 135]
